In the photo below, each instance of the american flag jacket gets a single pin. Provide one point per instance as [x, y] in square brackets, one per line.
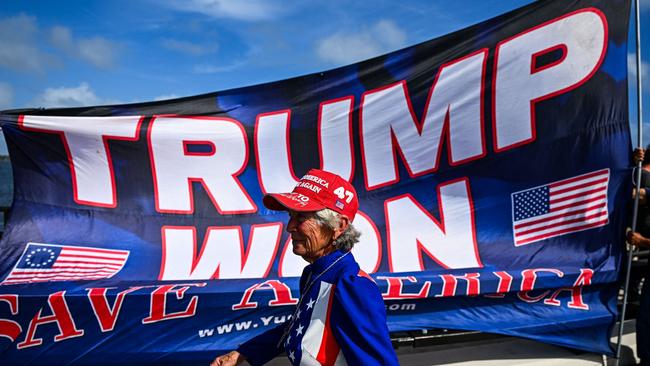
[340, 320]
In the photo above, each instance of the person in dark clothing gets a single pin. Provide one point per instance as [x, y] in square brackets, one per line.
[641, 239]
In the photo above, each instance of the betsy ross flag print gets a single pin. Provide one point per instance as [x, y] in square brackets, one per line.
[48, 262]
[559, 208]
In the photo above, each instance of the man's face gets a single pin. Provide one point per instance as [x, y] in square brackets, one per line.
[310, 240]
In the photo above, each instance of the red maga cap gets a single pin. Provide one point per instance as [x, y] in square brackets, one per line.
[315, 191]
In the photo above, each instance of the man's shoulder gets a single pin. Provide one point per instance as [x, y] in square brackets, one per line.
[353, 277]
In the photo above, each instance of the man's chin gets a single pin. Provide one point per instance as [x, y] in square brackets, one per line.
[299, 250]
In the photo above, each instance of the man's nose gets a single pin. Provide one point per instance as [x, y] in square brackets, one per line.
[291, 225]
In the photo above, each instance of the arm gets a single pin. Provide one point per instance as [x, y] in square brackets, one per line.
[232, 358]
[638, 240]
[359, 323]
[638, 155]
[257, 351]
[263, 348]
[642, 196]
[637, 158]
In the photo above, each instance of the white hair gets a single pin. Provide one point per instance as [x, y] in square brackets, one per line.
[331, 219]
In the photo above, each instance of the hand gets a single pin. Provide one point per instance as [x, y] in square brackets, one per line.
[638, 240]
[638, 155]
[642, 195]
[232, 358]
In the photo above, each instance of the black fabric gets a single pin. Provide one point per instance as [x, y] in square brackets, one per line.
[643, 217]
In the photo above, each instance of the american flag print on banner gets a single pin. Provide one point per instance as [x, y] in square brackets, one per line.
[48, 262]
[559, 208]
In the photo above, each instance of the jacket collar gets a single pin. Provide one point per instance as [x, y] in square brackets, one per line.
[325, 261]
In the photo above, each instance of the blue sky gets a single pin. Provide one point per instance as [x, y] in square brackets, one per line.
[74, 53]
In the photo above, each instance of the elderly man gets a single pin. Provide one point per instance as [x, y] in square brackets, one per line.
[340, 318]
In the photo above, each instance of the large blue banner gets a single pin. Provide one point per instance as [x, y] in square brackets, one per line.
[492, 167]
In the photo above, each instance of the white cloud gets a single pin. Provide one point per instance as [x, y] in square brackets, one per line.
[63, 97]
[634, 131]
[6, 95]
[250, 10]
[166, 97]
[344, 48]
[644, 5]
[97, 50]
[631, 67]
[391, 34]
[189, 47]
[61, 37]
[214, 69]
[19, 51]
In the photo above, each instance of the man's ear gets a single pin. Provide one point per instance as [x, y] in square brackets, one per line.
[344, 222]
